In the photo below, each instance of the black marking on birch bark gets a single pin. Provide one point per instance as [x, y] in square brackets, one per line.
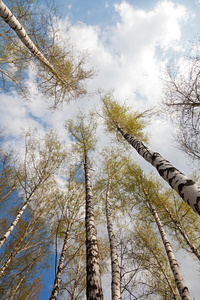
[184, 289]
[182, 185]
[154, 156]
[171, 179]
[196, 205]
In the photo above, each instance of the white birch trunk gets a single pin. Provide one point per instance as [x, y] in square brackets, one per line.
[185, 187]
[11, 20]
[60, 268]
[184, 234]
[93, 280]
[16, 250]
[183, 290]
[116, 280]
[14, 223]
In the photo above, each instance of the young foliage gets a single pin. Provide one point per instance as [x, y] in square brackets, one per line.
[122, 116]
[184, 186]
[26, 256]
[59, 73]
[41, 161]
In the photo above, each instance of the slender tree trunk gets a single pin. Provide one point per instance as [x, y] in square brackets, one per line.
[22, 279]
[16, 250]
[116, 280]
[11, 20]
[184, 186]
[57, 281]
[93, 277]
[183, 290]
[77, 274]
[14, 223]
[7, 194]
[184, 234]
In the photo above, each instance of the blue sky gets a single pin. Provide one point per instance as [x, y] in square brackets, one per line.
[130, 44]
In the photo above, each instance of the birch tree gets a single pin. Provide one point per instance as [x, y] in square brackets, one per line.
[145, 192]
[154, 278]
[181, 221]
[72, 202]
[40, 163]
[8, 181]
[83, 134]
[27, 233]
[121, 120]
[178, 217]
[145, 271]
[60, 74]
[113, 169]
[182, 288]
[26, 255]
[74, 274]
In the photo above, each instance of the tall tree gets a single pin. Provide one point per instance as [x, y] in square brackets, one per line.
[72, 201]
[154, 278]
[146, 192]
[59, 74]
[178, 217]
[183, 290]
[26, 255]
[121, 119]
[145, 270]
[8, 182]
[40, 164]
[83, 134]
[28, 231]
[180, 220]
[113, 169]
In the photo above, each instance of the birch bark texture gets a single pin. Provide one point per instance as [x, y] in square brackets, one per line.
[57, 281]
[180, 228]
[130, 125]
[61, 72]
[83, 133]
[11, 20]
[116, 280]
[183, 290]
[15, 222]
[185, 187]
[93, 287]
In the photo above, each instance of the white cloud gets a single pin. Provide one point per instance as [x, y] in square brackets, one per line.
[125, 55]
[160, 26]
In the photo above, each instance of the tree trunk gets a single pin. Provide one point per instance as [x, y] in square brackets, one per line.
[11, 20]
[116, 280]
[77, 275]
[22, 278]
[184, 186]
[93, 277]
[16, 250]
[57, 280]
[183, 233]
[183, 290]
[14, 223]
